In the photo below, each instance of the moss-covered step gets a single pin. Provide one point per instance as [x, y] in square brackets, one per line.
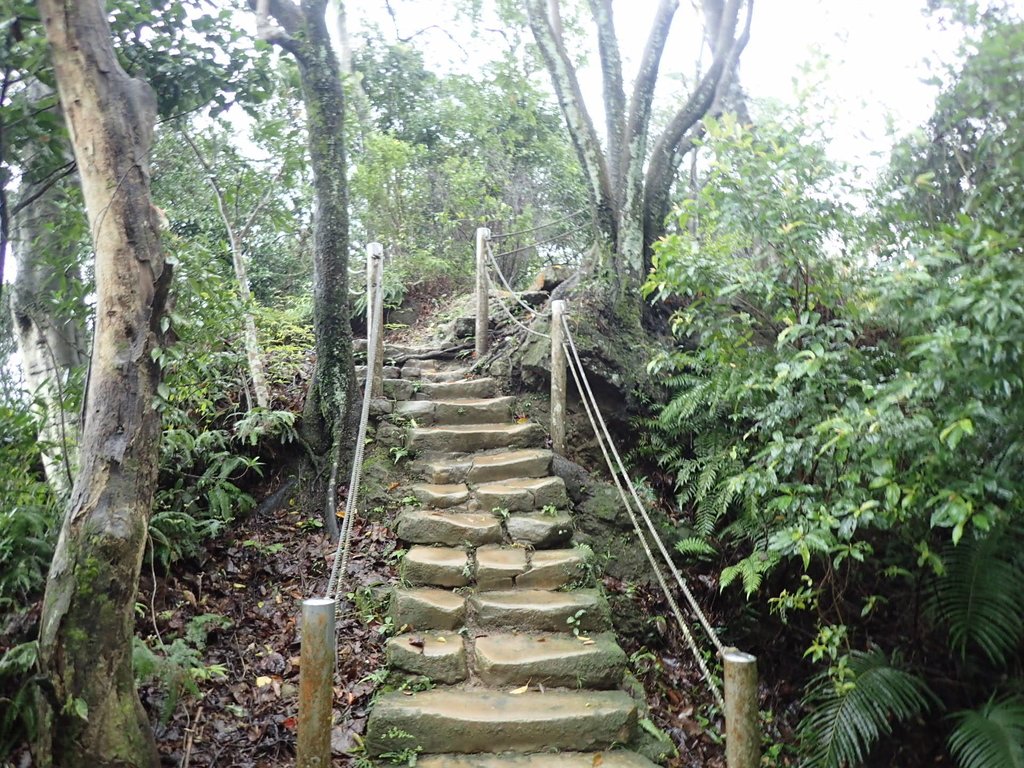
[440, 496]
[489, 467]
[474, 437]
[425, 413]
[523, 494]
[618, 758]
[541, 610]
[424, 608]
[540, 529]
[450, 528]
[436, 566]
[454, 390]
[441, 656]
[554, 660]
[467, 721]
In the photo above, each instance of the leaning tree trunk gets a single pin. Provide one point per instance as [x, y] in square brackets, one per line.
[94, 713]
[329, 415]
[51, 337]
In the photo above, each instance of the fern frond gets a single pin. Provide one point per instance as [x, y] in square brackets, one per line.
[990, 737]
[696, 547]
[847, 720]
[980, 598]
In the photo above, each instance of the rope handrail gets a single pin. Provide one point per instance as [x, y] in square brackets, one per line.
[504, 281]
[551, 239]
[568, 217]
[620, 475]
[341, 554]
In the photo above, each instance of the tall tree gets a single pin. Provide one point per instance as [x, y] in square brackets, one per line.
[95, 716]
[630, 176]
[301, 30]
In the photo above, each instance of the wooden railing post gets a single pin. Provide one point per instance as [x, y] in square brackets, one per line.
[558, 384]
[374, 269]
[742, 732]
[316, 684]
[483, 234]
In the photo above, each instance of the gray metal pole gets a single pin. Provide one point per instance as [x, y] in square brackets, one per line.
[374, 269]
[742, 732]
[483, 234]
[316, 678]
[558, 384]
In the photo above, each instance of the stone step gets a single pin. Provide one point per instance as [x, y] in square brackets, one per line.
[540, 529]
[489, 467]
[499, 567]
[491, 410]
[541, 610]
[453, 390]
[618, 758]
[474, 437]
[436, 376]
[523, 494]
[436, 566]
[468, 721]
[440, 496]
[451, 528]
[562, 661]
[553, 569]
[425, 608]
[441, 656]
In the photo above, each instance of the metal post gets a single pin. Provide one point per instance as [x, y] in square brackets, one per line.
[316, 678]
[483, 234]
[742, 732]
[374, 270]
[557, 379]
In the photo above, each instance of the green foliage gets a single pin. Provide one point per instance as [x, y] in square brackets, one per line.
[979, 597]
[28, 512]
[850, 714]
[991, 736]
[178, 667]
[18, 688]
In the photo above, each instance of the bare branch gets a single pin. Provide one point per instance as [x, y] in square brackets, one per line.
[287, 15]
[40, 188]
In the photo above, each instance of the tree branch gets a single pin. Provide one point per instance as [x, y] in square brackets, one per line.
[578, 120]
[40, 188]
[666, 156]
[614, 95]
[287, 15]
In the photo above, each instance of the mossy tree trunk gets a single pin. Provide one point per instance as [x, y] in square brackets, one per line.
[93, 710]
[329, 414]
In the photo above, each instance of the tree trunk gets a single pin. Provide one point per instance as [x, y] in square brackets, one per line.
[329, 415]
[52, 342]
[94, 716]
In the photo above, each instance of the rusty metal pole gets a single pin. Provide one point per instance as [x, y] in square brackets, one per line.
[558, 383]
[742, 732]
[316, 683]
[483, 234]
[374, 271]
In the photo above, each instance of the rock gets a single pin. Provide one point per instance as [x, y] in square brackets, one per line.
[498, 567]
[427, 608]
[552, 569]
[464, 327]
[440, 656]
[540, 529]
[550, 277]
[562, 661]
[436, 566]
[453, 529]
[398, 389]
[576, 478]
[541, 610]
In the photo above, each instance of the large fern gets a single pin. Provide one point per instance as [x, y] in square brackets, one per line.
[847, 719]
[980, 598]
[991, 736]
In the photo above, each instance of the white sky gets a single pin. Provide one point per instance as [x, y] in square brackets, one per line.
[876, 52]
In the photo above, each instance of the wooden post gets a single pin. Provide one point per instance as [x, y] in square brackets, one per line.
[742, 732]
[558, 385]
[316, 684]
[374, 270]
[483, 234]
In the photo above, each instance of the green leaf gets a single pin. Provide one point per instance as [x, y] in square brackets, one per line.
[991, 736]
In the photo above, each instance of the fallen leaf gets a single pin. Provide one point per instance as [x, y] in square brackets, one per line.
[441, 639]
[522, 689]
[598, 760]
[263, 680]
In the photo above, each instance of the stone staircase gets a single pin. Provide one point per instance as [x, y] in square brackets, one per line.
[496, 606]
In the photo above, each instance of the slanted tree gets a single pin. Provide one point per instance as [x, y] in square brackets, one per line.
[93, 713]
[630, 175]
[301, 30]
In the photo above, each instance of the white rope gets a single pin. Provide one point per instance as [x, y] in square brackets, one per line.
[508, 287]
[341, 554]
[618, 475]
